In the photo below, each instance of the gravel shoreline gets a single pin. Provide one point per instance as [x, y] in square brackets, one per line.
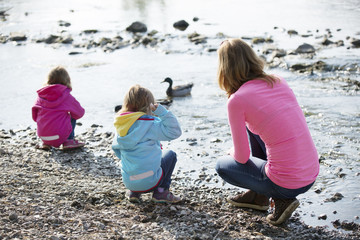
[80, 195]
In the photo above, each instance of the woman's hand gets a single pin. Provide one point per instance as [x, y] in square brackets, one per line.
[153, 107]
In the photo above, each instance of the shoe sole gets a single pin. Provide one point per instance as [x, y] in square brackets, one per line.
[71, 148]
[164, 201]
[248, 205]
[286, 214]
[134, 200]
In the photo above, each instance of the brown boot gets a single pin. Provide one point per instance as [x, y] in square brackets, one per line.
[283, 210]
[250, 199]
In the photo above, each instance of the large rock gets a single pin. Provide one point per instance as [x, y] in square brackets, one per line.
[355, 43]
[15, 36]
[305, 48]
[137, 27]
[181, 25]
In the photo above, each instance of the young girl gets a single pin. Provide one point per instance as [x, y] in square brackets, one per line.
[145, 168]
[56, 111]
[262, 107]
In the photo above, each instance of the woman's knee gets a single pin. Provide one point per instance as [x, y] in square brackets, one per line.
[219, 167]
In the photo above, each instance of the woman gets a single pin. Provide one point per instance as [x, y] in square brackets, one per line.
[263, 109]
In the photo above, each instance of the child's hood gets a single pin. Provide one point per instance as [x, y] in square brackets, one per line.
[124, 122]
[52, 95]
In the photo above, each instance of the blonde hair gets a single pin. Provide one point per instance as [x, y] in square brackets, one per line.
[238, 63]
[59, 76]
[138, 99]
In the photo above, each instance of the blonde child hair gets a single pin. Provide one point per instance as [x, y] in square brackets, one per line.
[238, 63]
[59, 76]
[138, 99]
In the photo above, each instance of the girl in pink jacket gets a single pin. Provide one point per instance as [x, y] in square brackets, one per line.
[273, 154]
[56, 111]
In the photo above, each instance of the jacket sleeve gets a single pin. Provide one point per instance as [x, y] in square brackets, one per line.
[236, 114]
[76, 110]
[168, 128]
[34, 111]
[115, 146]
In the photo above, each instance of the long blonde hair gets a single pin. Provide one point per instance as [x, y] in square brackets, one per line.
[138, 99]
[238, 63]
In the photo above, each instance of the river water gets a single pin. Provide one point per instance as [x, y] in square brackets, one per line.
[100, 79]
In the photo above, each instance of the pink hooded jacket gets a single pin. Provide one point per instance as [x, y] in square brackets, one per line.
[52, 112]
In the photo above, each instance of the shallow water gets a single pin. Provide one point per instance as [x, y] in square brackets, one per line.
[101, 79]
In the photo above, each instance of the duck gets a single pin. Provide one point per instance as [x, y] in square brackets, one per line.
[177, 91]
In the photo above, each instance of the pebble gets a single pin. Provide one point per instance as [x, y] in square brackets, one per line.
[81, 195]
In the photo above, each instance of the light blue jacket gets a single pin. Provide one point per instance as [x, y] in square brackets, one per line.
[137, 144]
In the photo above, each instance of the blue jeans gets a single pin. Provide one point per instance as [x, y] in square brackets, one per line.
[168, 162]
[73, 124]
[251, 175]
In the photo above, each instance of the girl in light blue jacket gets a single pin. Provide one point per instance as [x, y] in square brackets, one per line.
[140, 126]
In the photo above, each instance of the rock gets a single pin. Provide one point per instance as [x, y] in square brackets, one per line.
[278, 53]
[258, 40]
[336, 197]
[197, 38]
[51, 39]
[322, 217]
[15, 36]
[181, 25]
[305, 48]
[292, 32]
[355, 43]
[215, 140]
[137, 27]
[195, 19]
[299, 66]
[13, 217]
[3, 39]
[64, 24]
[90, 31]
[74, 53]
[326, 42]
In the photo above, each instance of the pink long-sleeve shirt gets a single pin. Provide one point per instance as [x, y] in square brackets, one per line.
[274, 114]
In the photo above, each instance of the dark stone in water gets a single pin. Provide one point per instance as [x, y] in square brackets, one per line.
[292, 32]
[355, 43]
[305, 48]
[137, 27]
[181, 25]
[335, 198]
[15, 36]
[89, 31]
[327, 42]
[64, 24]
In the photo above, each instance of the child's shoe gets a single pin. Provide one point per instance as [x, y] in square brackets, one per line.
[283, 210]
[43, 147]
[250, 199]
[164, 197]
[72, 144]
[134, 197]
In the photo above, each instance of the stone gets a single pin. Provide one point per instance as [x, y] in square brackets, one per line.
[15, 36]
[181, 25]
[136, 27]
[305, 48]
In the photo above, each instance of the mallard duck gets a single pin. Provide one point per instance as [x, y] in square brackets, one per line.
[177, 91]
[165, 102]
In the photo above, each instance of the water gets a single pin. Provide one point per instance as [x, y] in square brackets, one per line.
[100, 79]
